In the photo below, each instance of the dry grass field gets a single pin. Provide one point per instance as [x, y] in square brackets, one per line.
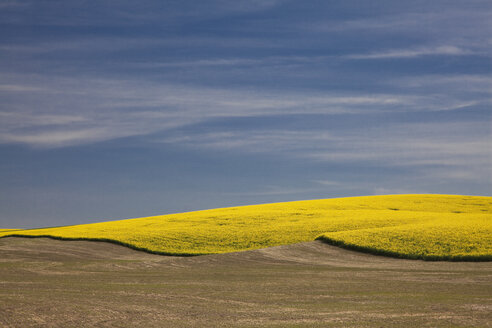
[52, 283]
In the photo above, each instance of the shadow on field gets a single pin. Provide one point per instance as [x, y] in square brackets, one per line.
[46, 282]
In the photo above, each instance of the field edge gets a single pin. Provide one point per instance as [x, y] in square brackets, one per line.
[107, 240]
[324, 239]
[382, 252]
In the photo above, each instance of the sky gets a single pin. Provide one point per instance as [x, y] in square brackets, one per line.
[120, 109]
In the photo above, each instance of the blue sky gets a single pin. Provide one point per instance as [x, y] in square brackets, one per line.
[113, 109]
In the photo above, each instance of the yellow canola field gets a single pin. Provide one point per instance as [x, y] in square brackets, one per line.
[434, 227]
[2, 231]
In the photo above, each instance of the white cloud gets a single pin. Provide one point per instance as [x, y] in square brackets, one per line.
[19, 120]
[460, 82]
[414, 52]
[275, 190]
[329, 182]
[40, 106]
[55, 138]
[453, 151]
[110, 45]
[65, 111]
[457, 25]
[19, 88]
[12, 3]
[393, 191]
[125, 13]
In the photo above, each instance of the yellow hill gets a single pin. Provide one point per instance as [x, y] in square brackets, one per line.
[440, 227]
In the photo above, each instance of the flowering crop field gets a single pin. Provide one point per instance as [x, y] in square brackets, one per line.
[432, 227]
[7, 230]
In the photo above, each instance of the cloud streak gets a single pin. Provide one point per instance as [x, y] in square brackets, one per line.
[93, 110]
[41, 111]
[448, 148]
[414, 53]
[38, 111]
[107, 13]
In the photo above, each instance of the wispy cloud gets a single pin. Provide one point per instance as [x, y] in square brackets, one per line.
[40, 106]
[12, 3]
[460, 82]
[414, 52]
[19, 88]
[106, 13]
[329, 182]
[48, 108]
[84, 44]
[412, 21]
[276, 190]
[97, 45]
[448, 148]
[16, 119]
[394, 191]
[239, 61]
[56, 138]
[466, 25]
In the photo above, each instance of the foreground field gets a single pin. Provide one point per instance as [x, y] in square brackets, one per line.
[52, 283]
[411, 226]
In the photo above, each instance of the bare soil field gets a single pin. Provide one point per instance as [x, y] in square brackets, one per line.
[52, 283]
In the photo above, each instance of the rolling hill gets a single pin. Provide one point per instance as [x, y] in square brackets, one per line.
[430, 227]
